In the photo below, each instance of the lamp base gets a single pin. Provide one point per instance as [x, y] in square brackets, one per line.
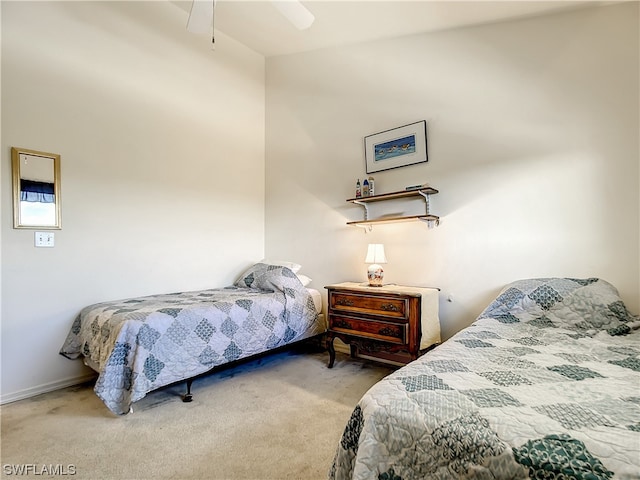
[375, 274]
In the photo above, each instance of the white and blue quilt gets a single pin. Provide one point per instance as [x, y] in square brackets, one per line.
[545, 384]
[140, 344]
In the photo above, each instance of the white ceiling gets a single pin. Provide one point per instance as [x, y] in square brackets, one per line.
[261, 27]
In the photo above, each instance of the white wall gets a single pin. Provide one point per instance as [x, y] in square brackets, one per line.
[162, 153]
[533, 144]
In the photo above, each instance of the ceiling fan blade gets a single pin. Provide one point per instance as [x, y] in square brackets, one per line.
[296, 13]
[201, 16]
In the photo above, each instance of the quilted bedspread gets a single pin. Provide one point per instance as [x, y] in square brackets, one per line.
[141, 344]
[544, 384]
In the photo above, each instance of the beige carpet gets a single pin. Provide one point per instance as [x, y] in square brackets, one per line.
[276, 417]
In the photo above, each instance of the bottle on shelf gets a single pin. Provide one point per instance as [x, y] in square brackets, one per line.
[371, 189]
[358, 191]
[365, 188]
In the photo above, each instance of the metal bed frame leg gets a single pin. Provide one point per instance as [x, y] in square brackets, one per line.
[187, 396]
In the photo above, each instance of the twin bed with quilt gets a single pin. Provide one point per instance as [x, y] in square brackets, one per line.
[141, 344]
[545, 384]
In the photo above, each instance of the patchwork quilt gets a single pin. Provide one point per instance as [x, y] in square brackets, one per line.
[141, 344]
[545, 384]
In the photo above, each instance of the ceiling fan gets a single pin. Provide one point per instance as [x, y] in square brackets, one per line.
[201, 17]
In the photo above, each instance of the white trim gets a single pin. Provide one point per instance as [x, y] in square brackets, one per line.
[44, 388]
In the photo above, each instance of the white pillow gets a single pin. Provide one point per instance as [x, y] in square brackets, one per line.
[304, 279]
[294, 267]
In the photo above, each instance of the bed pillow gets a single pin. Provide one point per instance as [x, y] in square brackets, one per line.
[528, 299]
[582, 304]
[304, 279]
[597, 306]
[294, 267]
[263, 276]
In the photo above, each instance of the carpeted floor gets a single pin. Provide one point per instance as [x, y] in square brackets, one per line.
[275, 417]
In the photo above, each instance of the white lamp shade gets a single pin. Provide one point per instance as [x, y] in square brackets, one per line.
[375, 253]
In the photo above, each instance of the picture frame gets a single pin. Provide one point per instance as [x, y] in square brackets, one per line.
[398, 147]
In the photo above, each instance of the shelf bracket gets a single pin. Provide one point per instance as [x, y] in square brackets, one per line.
[430, 222]
[366, 228]
[365, 206]
[426, 200]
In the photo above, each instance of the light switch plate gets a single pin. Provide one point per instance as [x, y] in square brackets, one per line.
[44, 239]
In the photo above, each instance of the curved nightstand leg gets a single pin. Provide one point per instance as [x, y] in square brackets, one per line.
[332, 351]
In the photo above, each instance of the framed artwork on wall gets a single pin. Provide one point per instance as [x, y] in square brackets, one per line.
[398, 147]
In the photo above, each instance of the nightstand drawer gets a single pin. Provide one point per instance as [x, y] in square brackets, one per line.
[387, 306]
[362, 327]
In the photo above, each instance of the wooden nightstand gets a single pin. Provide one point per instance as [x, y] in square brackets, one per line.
[391, 322]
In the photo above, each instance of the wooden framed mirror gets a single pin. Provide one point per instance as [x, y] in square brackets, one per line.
[36, 189]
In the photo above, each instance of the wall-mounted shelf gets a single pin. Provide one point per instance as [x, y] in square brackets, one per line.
[422, 192]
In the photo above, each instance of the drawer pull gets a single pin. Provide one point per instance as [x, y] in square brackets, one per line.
[389, 307]
[342, 324]
[344, 302]
[388, 332]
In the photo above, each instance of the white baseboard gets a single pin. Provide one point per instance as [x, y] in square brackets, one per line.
[44, 388]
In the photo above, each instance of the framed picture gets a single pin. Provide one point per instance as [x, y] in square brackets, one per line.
[397, 147]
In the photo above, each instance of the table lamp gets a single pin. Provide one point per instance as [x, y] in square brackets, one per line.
[375, 256]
